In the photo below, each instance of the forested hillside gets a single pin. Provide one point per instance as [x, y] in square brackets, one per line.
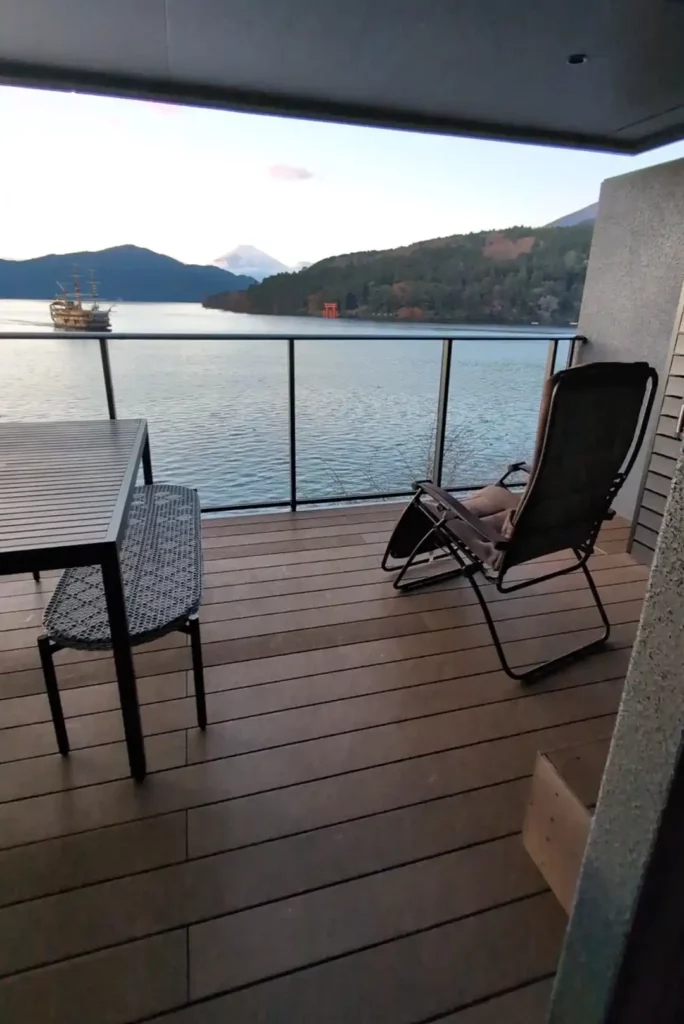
[520, 275]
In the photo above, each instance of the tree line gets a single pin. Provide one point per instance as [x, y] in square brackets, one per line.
[521, 275]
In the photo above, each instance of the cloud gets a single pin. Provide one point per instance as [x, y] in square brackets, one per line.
[286, 172]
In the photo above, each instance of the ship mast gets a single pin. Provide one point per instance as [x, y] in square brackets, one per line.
[93, 288]
[77, 286]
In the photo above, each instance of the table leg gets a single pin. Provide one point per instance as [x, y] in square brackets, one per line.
[147, 462]
[45, 652]
[123, 660]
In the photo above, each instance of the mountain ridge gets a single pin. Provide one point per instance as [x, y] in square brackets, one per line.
[127, 273]
[517, 275]
[570, 220]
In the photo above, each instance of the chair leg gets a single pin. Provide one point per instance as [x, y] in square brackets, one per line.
[408, 512]
[36, 575]
[198, 671]
[533, 674]
[427, 529]
[418, 528]
[45, 649]
[429, 578]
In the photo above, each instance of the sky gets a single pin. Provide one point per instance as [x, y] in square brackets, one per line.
[84, 172]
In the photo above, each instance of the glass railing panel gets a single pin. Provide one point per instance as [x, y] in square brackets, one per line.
[365, 410]
[494, 400]
[366, 414]
[217, 414]
[55, 379]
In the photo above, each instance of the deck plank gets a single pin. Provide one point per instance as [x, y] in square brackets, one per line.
[99, 915]
[411, 979]
[307, 700]
[239, 602]
[276, 814]
[114, 986]
[209, 778]
[526, 1005]
[472, 639]
[37, 775]
[248, 946]
[348, 824]
[385, 606]
[374, 714]
[44, 869]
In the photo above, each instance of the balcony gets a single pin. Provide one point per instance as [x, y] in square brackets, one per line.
[371, 940]
[362, 746]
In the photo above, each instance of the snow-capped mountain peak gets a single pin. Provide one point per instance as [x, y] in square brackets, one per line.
[247, 259]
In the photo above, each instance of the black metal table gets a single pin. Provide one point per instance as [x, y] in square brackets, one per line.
[65, 489]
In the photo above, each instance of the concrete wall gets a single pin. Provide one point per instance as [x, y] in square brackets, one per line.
[639, 802]
[634, 280]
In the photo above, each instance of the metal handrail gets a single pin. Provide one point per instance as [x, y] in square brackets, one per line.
[294, 499]
[560, 334]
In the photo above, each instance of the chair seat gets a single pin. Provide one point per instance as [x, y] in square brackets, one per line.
[161, 566]
[494, 505]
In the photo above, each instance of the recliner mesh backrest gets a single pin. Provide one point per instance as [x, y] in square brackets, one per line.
[593, 421]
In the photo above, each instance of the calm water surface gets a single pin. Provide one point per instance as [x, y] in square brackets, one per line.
[218, 410]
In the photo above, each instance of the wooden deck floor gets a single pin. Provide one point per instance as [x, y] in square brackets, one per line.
[342, 845]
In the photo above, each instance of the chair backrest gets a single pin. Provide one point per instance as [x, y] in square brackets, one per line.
[592, 423]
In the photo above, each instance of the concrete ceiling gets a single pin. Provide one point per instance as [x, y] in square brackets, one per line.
[489, 68]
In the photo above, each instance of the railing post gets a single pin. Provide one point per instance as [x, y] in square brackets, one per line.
[292, 413]
[442, 411]
[107, 374]
[551, 357]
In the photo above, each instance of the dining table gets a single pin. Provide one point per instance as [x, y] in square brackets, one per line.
[65, 491]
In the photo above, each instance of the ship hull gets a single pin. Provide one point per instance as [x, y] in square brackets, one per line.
[75, 318]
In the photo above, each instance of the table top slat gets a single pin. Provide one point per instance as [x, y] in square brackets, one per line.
[62, 483]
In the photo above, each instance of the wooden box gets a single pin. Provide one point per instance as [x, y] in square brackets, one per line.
[564, 791]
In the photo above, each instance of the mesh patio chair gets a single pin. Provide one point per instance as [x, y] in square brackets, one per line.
[592, 423]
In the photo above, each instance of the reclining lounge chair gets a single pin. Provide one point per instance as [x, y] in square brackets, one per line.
[592, 423]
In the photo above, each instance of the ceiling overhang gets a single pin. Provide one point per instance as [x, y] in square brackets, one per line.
[493, 70]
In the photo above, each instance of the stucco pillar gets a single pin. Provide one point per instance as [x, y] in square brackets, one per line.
[643, 759]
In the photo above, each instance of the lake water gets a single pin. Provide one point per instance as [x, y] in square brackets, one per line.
[218, 412]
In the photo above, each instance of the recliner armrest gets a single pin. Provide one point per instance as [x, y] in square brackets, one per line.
[456, 510]
[515, 467]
